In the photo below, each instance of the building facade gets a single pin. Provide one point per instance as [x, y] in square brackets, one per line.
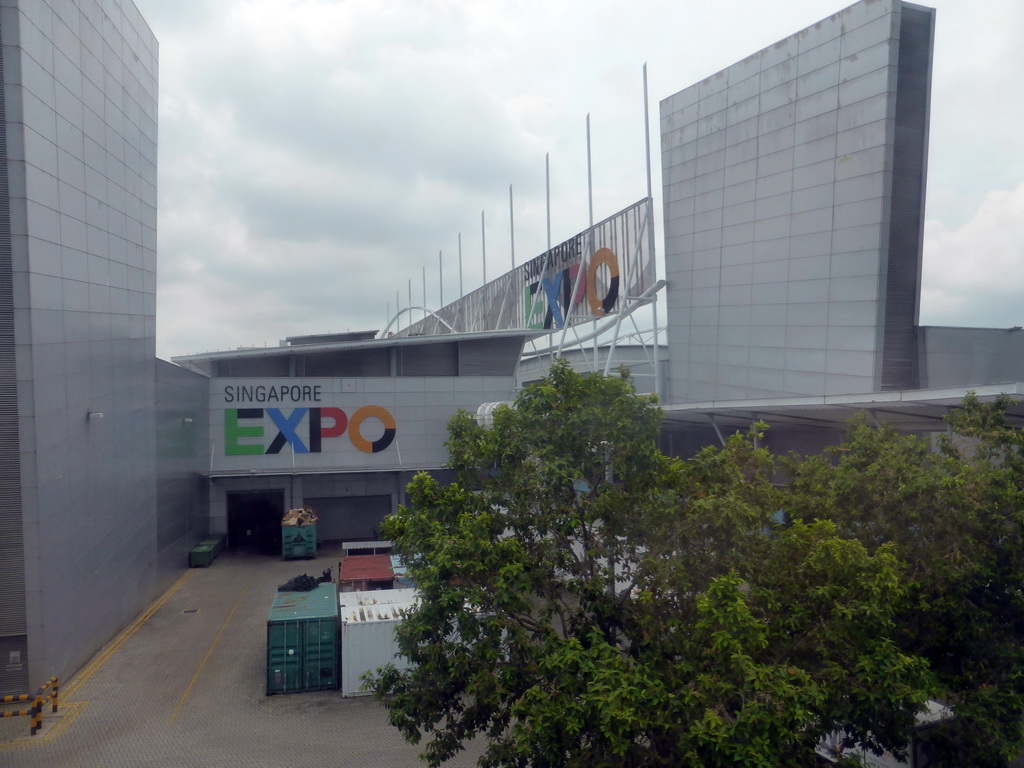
[339, 424]
[78, 492]
[793, 199]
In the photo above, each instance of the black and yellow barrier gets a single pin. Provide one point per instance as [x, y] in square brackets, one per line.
[38, 700]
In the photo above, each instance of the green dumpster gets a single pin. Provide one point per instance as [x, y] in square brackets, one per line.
[215, 542]
[201, 555]
[298, 541]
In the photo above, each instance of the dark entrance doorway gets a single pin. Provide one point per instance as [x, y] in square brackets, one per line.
[254, 521]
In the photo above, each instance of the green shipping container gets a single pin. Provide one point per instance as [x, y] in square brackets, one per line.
[298, 541]
[302, 641]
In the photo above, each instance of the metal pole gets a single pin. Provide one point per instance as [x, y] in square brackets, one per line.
[440, 279]
[590, 182]
[650, 232]
[483, 244]
[461, 292]
[512, 226]
[584, 264]
[590, 232]
[424, 293]
[547, 187]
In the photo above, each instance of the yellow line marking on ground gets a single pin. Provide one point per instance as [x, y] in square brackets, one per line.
[68, 714]
[96, 664]
[74, 708]
[206, 658]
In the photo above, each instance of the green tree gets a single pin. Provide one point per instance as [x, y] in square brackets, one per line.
[954, 516]
[585, 600]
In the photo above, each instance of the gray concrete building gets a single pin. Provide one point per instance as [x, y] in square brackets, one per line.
[793, 203]
[78, 474]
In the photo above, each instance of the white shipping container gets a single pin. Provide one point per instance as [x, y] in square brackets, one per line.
[934, 714]
[368, 622]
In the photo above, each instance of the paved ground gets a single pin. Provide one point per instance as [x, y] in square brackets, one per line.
[186, 690]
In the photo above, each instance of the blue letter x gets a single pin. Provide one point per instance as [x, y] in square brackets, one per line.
[551, 289]
[287, 426]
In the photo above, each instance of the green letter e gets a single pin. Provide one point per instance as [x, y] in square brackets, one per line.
[232, 432]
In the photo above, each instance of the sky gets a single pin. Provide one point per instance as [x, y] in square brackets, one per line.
[319, 160]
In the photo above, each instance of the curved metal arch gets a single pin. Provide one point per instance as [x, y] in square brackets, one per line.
[432, 313]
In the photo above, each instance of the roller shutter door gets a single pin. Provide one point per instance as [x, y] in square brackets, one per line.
[349, 518]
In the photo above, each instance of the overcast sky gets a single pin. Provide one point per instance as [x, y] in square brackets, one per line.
[316, 155]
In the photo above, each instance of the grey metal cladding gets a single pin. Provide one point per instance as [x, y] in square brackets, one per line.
[955, 357]
[82, 203]
[351, 363]
[821, 190]
[183, 455]
[428, 360]
[490, 357]
[14, 677]
[906, 230]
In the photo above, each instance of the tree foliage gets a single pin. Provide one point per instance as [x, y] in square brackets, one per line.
[955, 517]
[585, 600]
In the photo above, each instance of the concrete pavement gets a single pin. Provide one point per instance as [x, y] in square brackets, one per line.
[184, 687]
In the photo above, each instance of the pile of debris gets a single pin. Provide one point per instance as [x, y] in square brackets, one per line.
[300, 516]
[305, 583]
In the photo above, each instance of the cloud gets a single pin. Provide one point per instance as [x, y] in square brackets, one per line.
[316, 154]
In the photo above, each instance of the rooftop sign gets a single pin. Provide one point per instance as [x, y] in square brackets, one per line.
[582, 279]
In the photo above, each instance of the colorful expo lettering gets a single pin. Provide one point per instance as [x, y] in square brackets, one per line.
[553, 293]
[323, 423]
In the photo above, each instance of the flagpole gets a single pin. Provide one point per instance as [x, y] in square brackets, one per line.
[650, 233]
[590, 178]
[512, 226]
[547, 189]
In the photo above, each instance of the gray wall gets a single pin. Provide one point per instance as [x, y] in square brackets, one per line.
[80, 93]
[183, 457]
[959, 357]
[13, 620]
[494, 356]
[779, 196]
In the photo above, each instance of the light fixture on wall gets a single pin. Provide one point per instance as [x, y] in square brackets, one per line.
[187, 420]
[91, 415]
